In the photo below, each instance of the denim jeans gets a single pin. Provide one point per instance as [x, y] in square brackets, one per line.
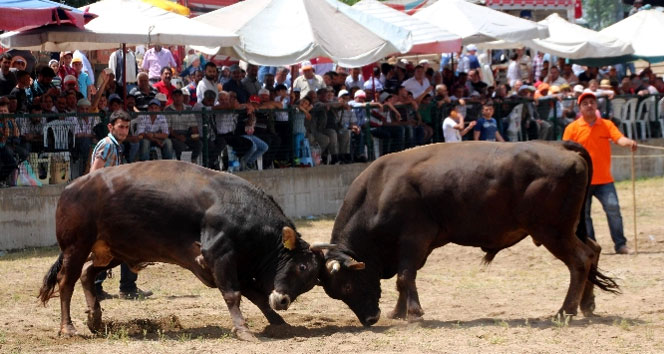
[606, 193]
[166, 150]
[127, 280]
[257, 149]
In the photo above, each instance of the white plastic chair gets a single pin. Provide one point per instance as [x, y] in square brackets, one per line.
[628, 117]
[616, 107]
[659, 117]
[644, 112]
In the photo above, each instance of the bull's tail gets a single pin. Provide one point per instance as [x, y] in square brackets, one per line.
[602, 281]
[50, 279]
[581, 231]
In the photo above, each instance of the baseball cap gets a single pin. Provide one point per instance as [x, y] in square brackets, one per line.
[554, 89]
[254, 99]
[154, 101]
[360, 93]
[527, 87]
[83, 102]
[52, 61]
[385, 96]
[69, 78]
[306, 65]
[605, 83]
[263, 91]
[77, 60]
[66, 53]
[585, 95]
[114, 97]
[578, 88]
[471, 47]
[343, 92]
[161, 97]
[423, 61]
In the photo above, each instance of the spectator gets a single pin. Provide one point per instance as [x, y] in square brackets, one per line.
[513, 70]
[183, 128]
[225, 75]
[359, 136]
[554, 78]
[164, 85]
[85, 85]
[70, 83]
[154, 60]
[153, 130]
[268, 82]
[60, 103]
[144, 93]
[308, 81]
[225, 126]
[282, 77]
[323, 122]
[385, 125]
[84, 135]
[635, 7]
[250, 81]
[208, 82]
[525, 64]
[20, 91]
[65, 68]
[55, 66]
[418, 85]
[475, 84]
[7, 77]
[72, 101]
[355, 79]
[8, 130]
[235, 85]
[454, 126]
[43, 85]
[131, 68]
[195, 77]
[486, 127]
[410, 119]
[469, 60]
[32, 130]
[594, 133]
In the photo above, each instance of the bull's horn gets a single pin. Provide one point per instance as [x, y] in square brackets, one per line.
[319, 246]
[333, 266]
[353, 264]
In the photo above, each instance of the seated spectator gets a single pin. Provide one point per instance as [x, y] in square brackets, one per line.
[32, 129]
[554, 77]
[102, 105]
[60, 103]
[84, 135]
[143, 92]
[475, 84]
[162, 100]
[164, 85]
[153, 131]
[486, 127]
[184, 128]
[265, 128]
[454, 126]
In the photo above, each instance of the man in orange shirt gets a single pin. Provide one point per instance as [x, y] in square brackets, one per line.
[594, 133]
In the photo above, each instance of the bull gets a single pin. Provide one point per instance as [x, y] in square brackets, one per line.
[229, 233]
[481, 194]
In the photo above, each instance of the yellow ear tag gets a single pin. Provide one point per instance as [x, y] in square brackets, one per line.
[289, 238]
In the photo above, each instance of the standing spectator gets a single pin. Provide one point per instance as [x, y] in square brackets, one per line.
[635, 7]
[32, 129]
[183, 128]
[250, 82]
[418, 85]
[65, 65]
[525, 64]
[513, 70]
[156, 58]
[385, 125]
[84, 135]
[144, 92]
[281, 77]
[22, 85]
[355, 79]
[235, 85]
[469, 60]
[55, 66]
[554, 78]
[131, 68]
[454, 127]
[196, 77]
[87, 68]
[85, 85]
[486, 127]
[8, 129]
[538, 64]
[308, 81]
[153, 130]
[225, 75]
[595, 133]
[359, 136]
[207, 83]
[43, 85]
[164, 85]
[7, 77]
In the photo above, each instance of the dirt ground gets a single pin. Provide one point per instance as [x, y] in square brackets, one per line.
[505, 308]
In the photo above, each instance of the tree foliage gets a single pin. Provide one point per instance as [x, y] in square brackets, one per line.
[602, 13]
[76, 3]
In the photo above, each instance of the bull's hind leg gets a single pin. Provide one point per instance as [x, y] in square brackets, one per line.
[88, 276]
[588, 298]
[578, 258]
[72, 263]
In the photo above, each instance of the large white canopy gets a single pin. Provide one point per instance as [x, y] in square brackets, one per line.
[642, 30]
[571, 41]
[427, 38]
[284, 32]
[478, 24]
[121, 21]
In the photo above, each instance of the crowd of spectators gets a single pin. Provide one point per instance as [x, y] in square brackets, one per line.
[336, 112]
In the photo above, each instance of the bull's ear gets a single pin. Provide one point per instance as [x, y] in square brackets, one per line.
[289, 238]
[353, 264]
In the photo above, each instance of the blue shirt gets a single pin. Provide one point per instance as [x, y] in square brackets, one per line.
[83, 82]
[109, 150]
[487, 129]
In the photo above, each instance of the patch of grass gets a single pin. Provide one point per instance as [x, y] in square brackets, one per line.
[650, 333]
[496, 340]
[623, 324]
[3, 337]
[184, 337]
[561, 321]
[501, 323]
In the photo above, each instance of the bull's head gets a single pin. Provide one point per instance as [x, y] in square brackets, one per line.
[348, 280]
[297, 271]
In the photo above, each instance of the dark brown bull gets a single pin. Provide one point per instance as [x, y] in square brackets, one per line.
[488, 195]
[226, 231]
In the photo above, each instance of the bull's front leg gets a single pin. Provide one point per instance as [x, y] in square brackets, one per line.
[261, 301]
[225, 274]
[408, 304]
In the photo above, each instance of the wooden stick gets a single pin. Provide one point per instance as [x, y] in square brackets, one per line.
[636, 245]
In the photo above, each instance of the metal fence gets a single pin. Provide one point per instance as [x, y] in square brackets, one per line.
[49, 150]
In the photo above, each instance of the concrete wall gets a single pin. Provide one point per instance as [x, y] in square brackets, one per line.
[27, 215]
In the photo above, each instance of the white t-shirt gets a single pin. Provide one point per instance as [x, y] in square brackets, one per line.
[415, 87]
[451, 135]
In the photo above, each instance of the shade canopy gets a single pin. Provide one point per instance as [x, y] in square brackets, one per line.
[121, 21]
[571, 41]
[642, 31]
[17, 15]
[427, 38]
[478, 24]
[285, 32]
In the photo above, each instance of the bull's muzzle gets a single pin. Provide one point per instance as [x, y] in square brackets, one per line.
[279, 301]
[371, 320]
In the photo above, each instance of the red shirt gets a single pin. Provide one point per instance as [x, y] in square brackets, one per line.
[166, 90]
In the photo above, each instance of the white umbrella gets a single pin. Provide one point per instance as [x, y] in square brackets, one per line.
[427, 38]
[284, 32]
[642, 30]
[477, 24]
[571, 41]
[121, 21]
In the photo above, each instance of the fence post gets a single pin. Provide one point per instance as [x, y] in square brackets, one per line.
[555, 119]
[291, 123]
[367, 132]
[206, 132]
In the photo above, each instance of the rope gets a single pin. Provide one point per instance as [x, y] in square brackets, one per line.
[636, 245]
[650, 147]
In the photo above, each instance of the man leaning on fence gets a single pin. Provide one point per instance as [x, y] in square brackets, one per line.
[595, 134]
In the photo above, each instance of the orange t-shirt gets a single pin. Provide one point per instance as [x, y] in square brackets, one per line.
[595, 139]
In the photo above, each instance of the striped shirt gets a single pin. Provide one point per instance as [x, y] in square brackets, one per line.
[146, 125]
[109, 150]
[83, 127]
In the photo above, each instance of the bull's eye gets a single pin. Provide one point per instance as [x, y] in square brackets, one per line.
[303, 267]
[348, 288]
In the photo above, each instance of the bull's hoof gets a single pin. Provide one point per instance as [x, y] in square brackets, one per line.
[94, 321]
[67, 330]
[415, 317]
[588, 310]
[396, 315]
[245, 335]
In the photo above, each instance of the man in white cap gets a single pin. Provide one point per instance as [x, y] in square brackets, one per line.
[469, 60]
[308, 81]
[595, 134]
